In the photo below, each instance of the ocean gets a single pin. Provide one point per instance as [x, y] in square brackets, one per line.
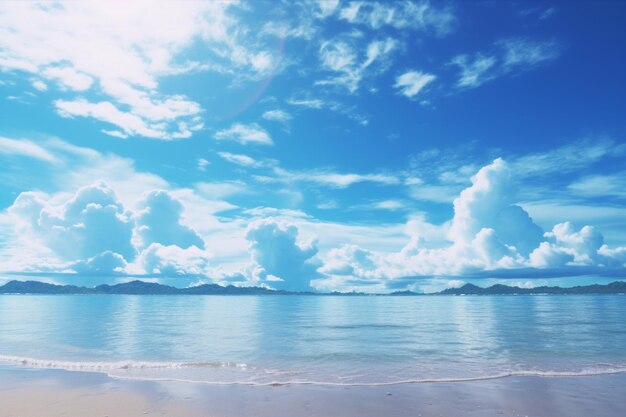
[326, 340]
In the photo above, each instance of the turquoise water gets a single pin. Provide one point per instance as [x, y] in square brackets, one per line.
[311, 339]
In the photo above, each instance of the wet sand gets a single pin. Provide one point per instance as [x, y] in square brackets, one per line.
[52, 393]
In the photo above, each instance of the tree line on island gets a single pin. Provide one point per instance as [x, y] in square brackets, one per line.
[151, 288]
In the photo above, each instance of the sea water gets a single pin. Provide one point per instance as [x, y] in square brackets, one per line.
[330, 340]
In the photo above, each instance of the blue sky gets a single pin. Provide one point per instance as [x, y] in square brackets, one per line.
[337, 145]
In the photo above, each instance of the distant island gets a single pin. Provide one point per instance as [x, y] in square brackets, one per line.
[151, 288]
[617, 287]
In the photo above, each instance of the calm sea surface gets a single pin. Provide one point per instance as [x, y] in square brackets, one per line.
[310, 339]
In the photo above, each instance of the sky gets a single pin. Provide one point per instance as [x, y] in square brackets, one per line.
[314, 145]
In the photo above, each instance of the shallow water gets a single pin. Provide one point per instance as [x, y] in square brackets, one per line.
[315, 339]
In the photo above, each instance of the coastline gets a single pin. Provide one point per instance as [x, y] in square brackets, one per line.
[27, 392]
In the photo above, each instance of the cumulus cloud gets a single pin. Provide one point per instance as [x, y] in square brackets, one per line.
[92, 233]
[90, 223]
[349, 260]
[158, 220]
[582, 245]
[487, 204]
[173, 260]
[282, 262]
[106, 263]
[488, 232]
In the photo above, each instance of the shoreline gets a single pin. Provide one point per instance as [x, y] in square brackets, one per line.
[109, 368]
[28, 392]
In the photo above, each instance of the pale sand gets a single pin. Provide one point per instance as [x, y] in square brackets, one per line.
[46, 393]
[52, 402]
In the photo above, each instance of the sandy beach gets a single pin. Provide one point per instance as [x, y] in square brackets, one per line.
[52, 393]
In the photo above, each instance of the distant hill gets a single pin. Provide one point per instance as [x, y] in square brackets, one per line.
[617, 287]
[151, 288]
[129, 288]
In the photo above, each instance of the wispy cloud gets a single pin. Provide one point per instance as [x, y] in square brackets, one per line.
[333, 179]
[523, 54]
[220, 190]
[245, 134]
[416, 15]
[508, 56]
[203, 164]
[341, 57]
[310, 103]
[27, 148]
[474, 72]
[567, 158]
[612, 185]
[243, 160]
[411, 83]
[39, 85]
[277, 115]
[77, 47]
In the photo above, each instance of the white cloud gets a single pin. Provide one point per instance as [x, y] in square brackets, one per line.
[474, 73]
[327, 7]
[39, 85]
[222, 189]
[92, 232]
[91, 222]
[509, 56]
[24, 147]
[349, 260]
[341, 56]
[526, 53]
[433, 193]
[607, 217]
[240, 159]
[172, 260]
[105, 111]
[244, 134]
[123, 53]
[277, 115]
[412, 82]
[115, 133]
[276, 252]
[158, 220]
[416, 15]
[69, 77]
[311, 103]
[488, 232]
[105, 263]
[333, 179]
[202, 164]
[487, 204]
[583, 245]
[389, 205]
[77, 167]
[568, 158]
[613, 185]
